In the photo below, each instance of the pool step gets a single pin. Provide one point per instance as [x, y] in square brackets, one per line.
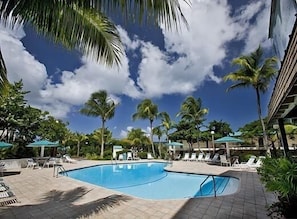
[208, 188]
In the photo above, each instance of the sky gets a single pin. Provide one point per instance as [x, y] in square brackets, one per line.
[165, 66]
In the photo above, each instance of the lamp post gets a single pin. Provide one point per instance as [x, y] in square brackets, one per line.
[212, 138]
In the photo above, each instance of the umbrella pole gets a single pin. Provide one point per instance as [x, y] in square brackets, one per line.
[42, 151]
[227, 149]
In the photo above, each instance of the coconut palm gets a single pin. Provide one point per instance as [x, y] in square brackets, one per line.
[100, 105]
[138, 137]
[85, 25]
[79, 138]
[166, 123]
[254, 72]
[191, 110]
[147, 110]
[159, 133]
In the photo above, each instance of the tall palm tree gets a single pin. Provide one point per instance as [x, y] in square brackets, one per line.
[147, 110]
[254, 72]
[191, 110]
[100, 105]
[85, 24]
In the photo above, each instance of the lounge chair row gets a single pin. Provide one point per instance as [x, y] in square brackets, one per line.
[32, 163]
[253, 162]
[201, 157]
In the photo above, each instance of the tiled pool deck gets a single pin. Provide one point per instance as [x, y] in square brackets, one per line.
[43, 196]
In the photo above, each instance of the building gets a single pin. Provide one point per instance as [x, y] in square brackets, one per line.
[283, 32]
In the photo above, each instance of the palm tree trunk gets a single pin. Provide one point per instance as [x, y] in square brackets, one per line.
[152, 141]
[102, 139]
[265, 139]
[78, 147]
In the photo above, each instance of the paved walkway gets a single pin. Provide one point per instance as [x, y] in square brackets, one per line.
[43, 196]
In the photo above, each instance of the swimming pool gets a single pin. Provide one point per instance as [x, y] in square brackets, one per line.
[151, 181]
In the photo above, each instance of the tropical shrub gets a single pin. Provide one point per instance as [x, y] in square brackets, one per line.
[92, 156]
[280, 176]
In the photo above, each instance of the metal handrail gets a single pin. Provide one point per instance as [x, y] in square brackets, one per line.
[59, 168]
[214, 185]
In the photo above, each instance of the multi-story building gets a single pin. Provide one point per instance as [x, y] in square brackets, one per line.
[283, 32]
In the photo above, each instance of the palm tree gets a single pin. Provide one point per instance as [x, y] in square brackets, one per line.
[159, 133]
[191, 110]
[137, 137]
[166, 123]
[79, 138]
[100, 105]
[84, 25]
[147, 110]
[253, 72]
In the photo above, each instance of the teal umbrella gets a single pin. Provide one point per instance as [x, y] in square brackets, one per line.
[43, 144]
[174, 144]
[228, 139]
[4, 144]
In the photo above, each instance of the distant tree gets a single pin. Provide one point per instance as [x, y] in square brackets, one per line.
[166, 123]
[147, 110]
[192, 111]
[220, 128]
[79, 138]
[100, 105]
[159, 133]
[254, 72]
[138, 138]
[185, 130]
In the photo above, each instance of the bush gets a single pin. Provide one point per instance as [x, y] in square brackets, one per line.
[280, 176]
[92, 156]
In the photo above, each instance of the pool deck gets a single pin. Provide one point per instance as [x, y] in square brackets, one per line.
[41, 195]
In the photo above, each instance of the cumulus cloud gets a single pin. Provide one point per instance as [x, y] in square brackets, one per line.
[184, 65]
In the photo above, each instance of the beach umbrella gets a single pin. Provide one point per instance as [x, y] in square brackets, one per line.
[228, 139]
[4, 145]
[174, 144]
[43, 144]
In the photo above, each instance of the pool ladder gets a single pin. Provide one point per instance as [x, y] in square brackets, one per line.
[59, 169]
[214, 185]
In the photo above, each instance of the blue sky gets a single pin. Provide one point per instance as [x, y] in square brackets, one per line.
[164, 66]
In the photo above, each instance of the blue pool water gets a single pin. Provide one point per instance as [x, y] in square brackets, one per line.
[150, 181]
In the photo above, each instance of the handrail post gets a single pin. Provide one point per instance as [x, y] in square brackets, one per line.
[214, 185]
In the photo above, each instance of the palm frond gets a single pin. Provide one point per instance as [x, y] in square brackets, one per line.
[74, 25]
[167, 12]
[3, 74]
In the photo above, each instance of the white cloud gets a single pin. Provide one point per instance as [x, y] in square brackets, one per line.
[257, 33]
[199, 48]
[20, 63]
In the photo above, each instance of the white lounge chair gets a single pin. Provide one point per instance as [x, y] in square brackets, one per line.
[31, 163]
[224, 160]
[200, 157]
[149, 156]
[250, 162]
[215, 159]
[68, 159]
[121, 157]
[207, 158]
[186, 157]
[129, 156]
[193, 157]
[50, 162]
[258, 163]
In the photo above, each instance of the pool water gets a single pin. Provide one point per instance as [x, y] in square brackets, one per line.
[151, 181]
